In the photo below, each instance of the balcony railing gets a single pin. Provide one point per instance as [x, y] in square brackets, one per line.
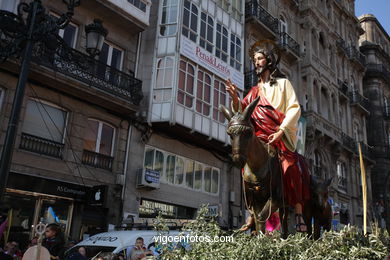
[41, 145]
[253, 8]
[288, 42]
[250, 79]
[342, 45]
[356, 98]
[355, 54]
[378, 69]
[343, 87]
[88, 70]
[349, 142]
[97, 160]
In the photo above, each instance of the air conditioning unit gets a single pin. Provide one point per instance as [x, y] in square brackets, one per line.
[147, 178]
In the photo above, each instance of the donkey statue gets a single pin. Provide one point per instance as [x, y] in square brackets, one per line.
[318, 208]
[261, 172]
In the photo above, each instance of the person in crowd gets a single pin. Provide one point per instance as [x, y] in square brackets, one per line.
[79, 254]
[54, 241]
[139, 250]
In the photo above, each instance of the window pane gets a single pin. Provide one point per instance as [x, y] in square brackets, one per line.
[149, 156]
[159, 162]
[106, 140]
[214, 181]
[44, 121]
[170, 170]
[91, 135]
[207, 179]
[116, 59]
[70, 35]
[198, 176]
[179, 171]
[190, 174]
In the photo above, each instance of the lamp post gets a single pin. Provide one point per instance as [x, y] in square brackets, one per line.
[18, 37]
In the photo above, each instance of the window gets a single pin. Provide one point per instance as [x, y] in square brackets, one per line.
[69, 34]
[211, 180]
[111, 56]
[235, 52]
[203, 93]
[341, 176]
[221, 46]
[317, 164]
[186, 84]
[219, 99]
[168, 18]
[9, 5]
[164, 73]
[206, 32]
[183, 172]
[283, 31]
[139, 4]
[45, 121]
[154, 160]
[190, 21]
[99, 137]
[237, 9]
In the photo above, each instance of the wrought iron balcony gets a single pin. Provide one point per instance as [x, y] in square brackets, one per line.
[97, 160]
[349, 142]
[356, 98]
[342, 45]
[343, 87]
[382, 151]
[287, 41]
[355, 54]
[378, 70]
[250, 79]
[253, 8]
[82, 67]
[41, 145]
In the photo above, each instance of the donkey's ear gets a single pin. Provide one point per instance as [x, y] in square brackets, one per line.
[226, 112]
[328, 181]
[249, 109]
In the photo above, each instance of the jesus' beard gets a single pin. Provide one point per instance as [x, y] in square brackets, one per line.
[260, 71]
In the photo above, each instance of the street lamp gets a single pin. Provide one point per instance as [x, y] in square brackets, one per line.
[96, 34]
[18, 35]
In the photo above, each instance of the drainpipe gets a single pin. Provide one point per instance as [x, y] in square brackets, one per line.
[129, 133]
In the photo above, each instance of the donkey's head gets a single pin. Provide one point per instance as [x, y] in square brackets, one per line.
[240, 130]
[319, 192]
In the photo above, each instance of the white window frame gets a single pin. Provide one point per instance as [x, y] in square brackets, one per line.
[206, 36]
[99, 136]
[185, 93]
[62, 31]
[163, 69]
[15, 8]
[233, 58]
[215, 108]
[169, 14]
[111, 47]
[202, 98]
[341, 175]
[220, 48]
[183, 184]
[190, 18]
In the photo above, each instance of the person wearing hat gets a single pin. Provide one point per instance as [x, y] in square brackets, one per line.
[275, 121]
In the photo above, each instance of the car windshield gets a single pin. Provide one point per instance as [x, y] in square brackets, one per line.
[91, 250]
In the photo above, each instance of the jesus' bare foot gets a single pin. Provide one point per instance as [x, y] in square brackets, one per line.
[249, 223]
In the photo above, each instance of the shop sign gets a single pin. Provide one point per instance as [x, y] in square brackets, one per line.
[202, 57]
[152, 176]
[97, 195]
[213, 211]
[46, 186]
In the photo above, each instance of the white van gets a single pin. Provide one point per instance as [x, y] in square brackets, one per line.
[117, 242]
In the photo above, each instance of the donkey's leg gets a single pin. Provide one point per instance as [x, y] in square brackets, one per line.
[266, 212]
[283, 215]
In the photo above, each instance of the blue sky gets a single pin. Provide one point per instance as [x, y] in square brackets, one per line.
[379, 8]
